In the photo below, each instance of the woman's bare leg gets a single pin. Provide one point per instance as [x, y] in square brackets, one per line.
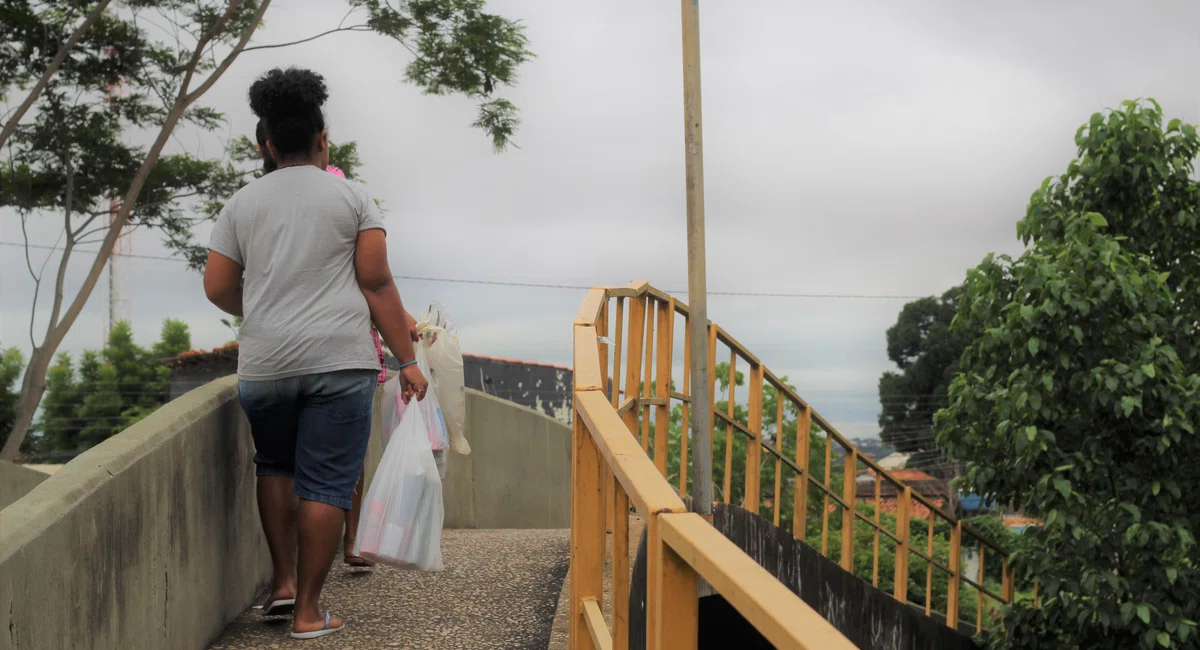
[352, 518]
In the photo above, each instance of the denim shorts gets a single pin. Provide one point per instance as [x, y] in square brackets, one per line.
[313, 429]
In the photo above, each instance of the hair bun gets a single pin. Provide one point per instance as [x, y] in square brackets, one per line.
[280, 93]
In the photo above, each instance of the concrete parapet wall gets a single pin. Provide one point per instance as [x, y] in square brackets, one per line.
[150, 540]
[16, 481]
[518, 474]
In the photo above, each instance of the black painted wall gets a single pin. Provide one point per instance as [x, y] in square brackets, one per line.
[870, 618]
[539, 387]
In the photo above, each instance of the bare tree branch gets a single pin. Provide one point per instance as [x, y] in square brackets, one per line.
[229, 58]
[37, 282]
[34, 382]
[343, 20]
[352, 28]
[198, 52]
[51, 70]
[91, 217]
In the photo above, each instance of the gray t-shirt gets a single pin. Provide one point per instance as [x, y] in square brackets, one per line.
[294, 232]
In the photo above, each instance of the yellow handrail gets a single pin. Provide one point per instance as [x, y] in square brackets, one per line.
[621, 455]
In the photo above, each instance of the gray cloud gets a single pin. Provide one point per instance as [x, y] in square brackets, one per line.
[855, 147]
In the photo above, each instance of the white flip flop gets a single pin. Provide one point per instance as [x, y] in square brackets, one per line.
[279, 607]
[324, 631]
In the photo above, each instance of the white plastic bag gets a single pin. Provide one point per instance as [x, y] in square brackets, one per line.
[402, 514]
[431, 410]
[439, 339]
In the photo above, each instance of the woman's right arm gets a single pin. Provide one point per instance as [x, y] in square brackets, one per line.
[387, 311]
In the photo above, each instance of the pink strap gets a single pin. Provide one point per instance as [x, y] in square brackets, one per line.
[379, 350]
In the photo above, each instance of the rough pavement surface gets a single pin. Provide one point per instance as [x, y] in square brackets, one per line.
[499, 590]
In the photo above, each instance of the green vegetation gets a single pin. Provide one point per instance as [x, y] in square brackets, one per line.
[926, 351]
[73, 143]
[1079, 399]
[107, 391]
[784, 437]
[11, 365]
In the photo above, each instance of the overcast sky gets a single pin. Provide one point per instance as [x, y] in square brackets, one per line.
[866, 147]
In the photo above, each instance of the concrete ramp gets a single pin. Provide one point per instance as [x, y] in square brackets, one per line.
[499, 590]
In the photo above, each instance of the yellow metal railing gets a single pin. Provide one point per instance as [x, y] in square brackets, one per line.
[623, 454]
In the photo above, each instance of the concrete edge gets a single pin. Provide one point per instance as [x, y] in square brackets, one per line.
[513, 405]
[29, 516]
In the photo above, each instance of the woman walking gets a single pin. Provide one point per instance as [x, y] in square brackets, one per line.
[311, 250]
[352, 517]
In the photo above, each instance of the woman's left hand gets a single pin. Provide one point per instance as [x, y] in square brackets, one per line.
[412, 327]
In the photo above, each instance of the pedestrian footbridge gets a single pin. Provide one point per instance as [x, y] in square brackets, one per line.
[151, 540]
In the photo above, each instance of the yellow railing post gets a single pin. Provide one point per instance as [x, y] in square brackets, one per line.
[602, 351]
[753, 499]
[620, 571]
[777, 498]
[676, 599]
[587, 530]
[955, 574]
[730, 431]
[647, 377]
[825, 495]
[662, 383]
[849, 494]
[903, 533]
[633, 370]
[875, 569]
[686, 421]
[618, 341]
[800, 504]
[712, 400]
[929, 568]
[979, 592]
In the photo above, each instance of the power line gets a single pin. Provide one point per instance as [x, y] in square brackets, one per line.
[542, 285]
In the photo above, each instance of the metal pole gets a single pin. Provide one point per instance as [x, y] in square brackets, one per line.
[697, 284]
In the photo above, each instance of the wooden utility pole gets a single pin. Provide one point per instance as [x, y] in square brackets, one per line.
[697, 282]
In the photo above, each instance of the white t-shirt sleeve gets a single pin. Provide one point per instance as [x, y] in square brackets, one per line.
[224, 236]
[369, 216]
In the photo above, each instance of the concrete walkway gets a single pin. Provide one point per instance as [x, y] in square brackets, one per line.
[499, 590]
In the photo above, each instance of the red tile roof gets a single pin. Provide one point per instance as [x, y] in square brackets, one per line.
[892, 506]
[192, 357]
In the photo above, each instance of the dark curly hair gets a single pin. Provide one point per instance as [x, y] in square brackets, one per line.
[260, 135]
[289, 102]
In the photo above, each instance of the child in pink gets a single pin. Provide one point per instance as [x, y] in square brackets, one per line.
[352, 517]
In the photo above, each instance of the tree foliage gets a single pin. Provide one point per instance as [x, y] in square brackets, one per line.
[1078, 400]
[85, 85]
[108, 390]
[12, 362]
[819, 527]
[926, 351]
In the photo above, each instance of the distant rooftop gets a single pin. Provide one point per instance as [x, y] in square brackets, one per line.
[230, 353]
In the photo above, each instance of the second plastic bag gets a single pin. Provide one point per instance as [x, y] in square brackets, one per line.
[402, 514]
[394, 407]
[443, 357]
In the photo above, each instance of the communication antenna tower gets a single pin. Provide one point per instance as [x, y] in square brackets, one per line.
[119, 307]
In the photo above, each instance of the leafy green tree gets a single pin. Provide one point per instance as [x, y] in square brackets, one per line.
[73, 155]
[175, 339]
[926, 351]
[1078, 400]
[11, 364]
[57, 428]
[114, 388]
